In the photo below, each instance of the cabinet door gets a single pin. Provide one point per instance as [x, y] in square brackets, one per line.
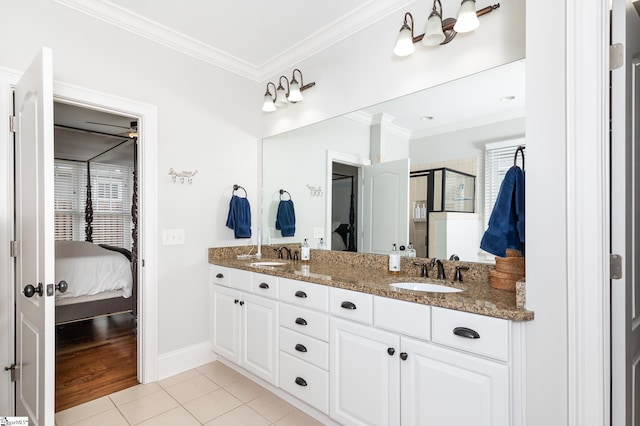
[365, 375]
[445, 387]
[225, 326]
[259, 336]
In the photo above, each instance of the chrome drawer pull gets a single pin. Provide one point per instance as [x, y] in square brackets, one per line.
[348, 305]
[466, 332]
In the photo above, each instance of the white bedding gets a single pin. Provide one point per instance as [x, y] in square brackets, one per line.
[90, 269]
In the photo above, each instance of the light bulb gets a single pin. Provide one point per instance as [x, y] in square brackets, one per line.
[404, 45]
[294, 91]
[433, 34]
[281, 97]
[467, 17]
[268, 105]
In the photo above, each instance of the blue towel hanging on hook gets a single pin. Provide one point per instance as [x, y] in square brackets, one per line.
[239, 217]
[286, 218]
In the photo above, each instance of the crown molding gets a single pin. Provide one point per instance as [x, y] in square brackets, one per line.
[367, 14]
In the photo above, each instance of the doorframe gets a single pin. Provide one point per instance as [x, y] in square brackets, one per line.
[350, 160]
[148, 247]
[588, 213]
[147, 241]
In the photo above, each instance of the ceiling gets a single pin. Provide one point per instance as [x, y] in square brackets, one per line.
[255, 39]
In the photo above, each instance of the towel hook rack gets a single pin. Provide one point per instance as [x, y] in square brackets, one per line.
[236, 187]
[282, 191]
[520, 150]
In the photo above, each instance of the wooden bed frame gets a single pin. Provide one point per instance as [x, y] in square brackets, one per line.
[104, 307]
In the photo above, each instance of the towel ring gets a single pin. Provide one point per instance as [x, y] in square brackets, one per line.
[520, 150]
[282, 191]
[236, 187]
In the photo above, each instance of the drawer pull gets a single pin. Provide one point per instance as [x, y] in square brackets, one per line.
[301, 348]
[466, 332]
[301, 321]
[348, 305]
[403, 356]
[300, 381]
[391, 351]
[219, 275]
[264, 285]
[301, 294]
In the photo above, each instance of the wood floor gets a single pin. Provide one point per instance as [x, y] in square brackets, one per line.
[94, 358]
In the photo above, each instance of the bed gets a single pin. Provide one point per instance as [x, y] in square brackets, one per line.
[99, 277]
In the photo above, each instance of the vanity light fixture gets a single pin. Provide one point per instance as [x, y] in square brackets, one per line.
[283, 97]
[439, 31]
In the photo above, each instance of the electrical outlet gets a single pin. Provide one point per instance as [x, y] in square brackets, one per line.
[318, 232]
[172, 237]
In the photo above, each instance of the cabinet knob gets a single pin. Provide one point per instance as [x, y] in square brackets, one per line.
[348, 305]
[403, 356]
[391, 351]
[301, 294]
[219, 275]
[62, 286]
[466, 332]
[30, 290]
[301, 348]
[235, 301]
[264, 285]
[241, 302]
[300, 381]
[301, 321]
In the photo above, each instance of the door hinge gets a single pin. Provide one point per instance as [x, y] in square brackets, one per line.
[616, 56]
[12, 368]
[615, 266]
[13, 123]
[13, 249]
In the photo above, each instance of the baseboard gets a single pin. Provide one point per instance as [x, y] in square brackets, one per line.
[172, 363]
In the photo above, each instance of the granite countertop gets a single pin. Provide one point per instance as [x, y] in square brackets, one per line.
[476, 296]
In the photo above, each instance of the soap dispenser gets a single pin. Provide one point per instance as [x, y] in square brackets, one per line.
[394, 261]
[411, 252]
[305, 251]
[322, 245]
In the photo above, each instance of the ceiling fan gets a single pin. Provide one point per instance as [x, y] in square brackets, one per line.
[131, 131]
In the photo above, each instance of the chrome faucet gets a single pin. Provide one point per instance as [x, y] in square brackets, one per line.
[287, 249]
[425, 272]
[438, 263]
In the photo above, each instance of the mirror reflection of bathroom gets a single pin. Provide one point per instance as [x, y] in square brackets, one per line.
[344, 207]
[443, 208]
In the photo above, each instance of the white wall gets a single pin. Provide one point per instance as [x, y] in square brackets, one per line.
[198, 128]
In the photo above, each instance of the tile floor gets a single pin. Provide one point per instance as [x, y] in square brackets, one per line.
[210, 395]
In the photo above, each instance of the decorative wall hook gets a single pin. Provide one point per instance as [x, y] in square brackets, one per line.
[185, 174]
[315, 191]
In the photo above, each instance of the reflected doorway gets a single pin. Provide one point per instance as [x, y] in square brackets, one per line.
[344, 207]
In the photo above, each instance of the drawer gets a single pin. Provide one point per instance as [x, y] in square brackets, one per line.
[351, 305]
[305, 381]
[309, 295]
[456, 329]
[240, 279]
[220, 275]
[408, 318]
[264, 285]
[305, 321]
[306, 348]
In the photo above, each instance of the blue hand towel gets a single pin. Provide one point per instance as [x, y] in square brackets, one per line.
[239, 217]
[286, 218]
[506, 224]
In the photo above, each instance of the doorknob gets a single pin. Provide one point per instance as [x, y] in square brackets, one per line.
[30, 290]
[62, 286]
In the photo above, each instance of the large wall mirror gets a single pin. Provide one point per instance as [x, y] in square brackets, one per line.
[412, 169]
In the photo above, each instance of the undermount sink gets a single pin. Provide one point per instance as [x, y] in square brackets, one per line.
[267, 263]
[433, 288]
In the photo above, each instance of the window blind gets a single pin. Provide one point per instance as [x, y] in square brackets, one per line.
[498, 159]
[111, 192]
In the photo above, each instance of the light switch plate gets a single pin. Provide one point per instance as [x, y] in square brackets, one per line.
[318, 232]
[172, 237]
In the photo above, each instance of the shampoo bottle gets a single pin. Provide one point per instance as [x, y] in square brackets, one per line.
[305, 251]
[394, 261]
[423, 211]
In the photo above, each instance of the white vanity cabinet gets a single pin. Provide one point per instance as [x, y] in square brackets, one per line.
[244, 326]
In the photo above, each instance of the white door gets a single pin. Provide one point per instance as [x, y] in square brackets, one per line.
[625, 208]
[386, 206]
[225, 327]
[365, 375]
[445, 387]
[35, 339]
[259, 336]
